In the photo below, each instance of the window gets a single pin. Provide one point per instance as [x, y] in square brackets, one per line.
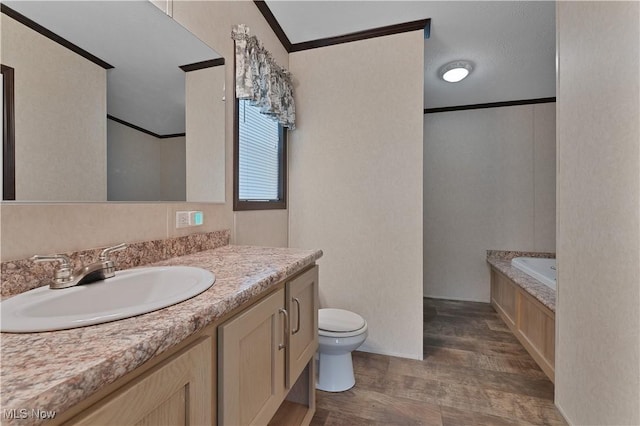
[259, 160]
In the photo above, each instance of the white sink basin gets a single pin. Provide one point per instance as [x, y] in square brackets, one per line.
[129, 293]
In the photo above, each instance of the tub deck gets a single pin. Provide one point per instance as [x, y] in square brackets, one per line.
[527, 307]
[501, 261]
[542, 269]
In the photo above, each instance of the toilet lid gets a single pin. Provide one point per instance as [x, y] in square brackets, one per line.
[339, 320]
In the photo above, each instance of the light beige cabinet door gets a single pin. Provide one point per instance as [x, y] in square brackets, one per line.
[177, 392]
[251, 359]
[302, 304]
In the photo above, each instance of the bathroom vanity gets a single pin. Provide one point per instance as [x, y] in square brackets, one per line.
[239, 353]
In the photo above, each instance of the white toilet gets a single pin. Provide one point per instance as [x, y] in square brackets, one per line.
[340, 332]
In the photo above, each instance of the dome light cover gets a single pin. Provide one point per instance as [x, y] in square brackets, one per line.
[455, 71]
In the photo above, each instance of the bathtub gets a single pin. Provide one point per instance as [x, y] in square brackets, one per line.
[542, 269]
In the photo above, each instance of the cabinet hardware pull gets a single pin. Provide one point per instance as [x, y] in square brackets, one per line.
[286, 328]
[297, 301]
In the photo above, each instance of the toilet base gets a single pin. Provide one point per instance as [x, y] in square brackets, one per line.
[335, 372]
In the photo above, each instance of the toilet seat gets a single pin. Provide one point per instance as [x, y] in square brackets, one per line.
[340, 323]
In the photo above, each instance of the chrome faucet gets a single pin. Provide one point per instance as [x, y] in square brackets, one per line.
[66, 277]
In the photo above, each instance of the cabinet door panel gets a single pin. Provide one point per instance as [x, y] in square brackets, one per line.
[177, 392]
[503, 294]
[302, 302]
[171, 412]
[251, 363]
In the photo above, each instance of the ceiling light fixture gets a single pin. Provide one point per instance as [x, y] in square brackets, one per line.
[455, 71]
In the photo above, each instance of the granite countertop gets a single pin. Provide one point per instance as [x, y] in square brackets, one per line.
[501, 260]
[53, 371]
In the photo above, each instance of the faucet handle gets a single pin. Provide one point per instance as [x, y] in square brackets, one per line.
[104, 256]
[64, 260]
[108, 265]
[64, 272]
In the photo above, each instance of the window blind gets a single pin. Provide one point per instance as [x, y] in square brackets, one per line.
[259, 139]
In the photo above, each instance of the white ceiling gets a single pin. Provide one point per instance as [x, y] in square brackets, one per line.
[146, 47]
[510, 43]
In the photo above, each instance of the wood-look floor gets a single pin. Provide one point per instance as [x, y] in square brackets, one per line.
[474, 372]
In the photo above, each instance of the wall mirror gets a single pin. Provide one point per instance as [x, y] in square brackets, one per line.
[109, 101]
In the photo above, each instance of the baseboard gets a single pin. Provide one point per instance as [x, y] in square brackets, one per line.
[563, 414]
[457, 299]
[364, 348]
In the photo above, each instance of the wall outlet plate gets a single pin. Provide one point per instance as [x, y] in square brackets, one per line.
[185, 219]
[182, 219]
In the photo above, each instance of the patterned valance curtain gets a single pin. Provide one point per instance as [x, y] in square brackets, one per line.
[261, 80]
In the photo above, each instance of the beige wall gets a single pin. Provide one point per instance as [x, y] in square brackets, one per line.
[205, 118]
[43, 228]
[60, 124]
[489, 183]
[262, 228]
[598, 314]
[142, 167]
[356, 181]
